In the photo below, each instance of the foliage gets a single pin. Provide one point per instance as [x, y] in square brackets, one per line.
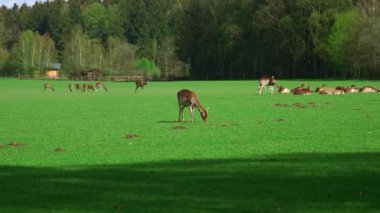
[34, 53]
[149, 68]
[340, 42]
[210, 39]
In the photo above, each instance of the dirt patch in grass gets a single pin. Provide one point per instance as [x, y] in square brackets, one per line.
[131, 136]
[16, 144]
[59, 150]
[280, 120]
[179, 127]
[327, 103]
[281, 105]
[300, 106]
[2, 146]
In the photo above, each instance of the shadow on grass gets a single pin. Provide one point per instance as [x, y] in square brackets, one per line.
[285, 183]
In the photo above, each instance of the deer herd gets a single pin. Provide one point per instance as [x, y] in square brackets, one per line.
[188, 98]
[303, 90]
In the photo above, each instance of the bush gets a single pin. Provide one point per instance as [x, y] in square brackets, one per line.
[149, 68]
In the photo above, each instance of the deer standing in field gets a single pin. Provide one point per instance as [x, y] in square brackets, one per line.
[266, 81]
[90, 87]
[84, 87]
[78, 87]
[140, 83]
[100, 86]
[71, 87]
[48, 86]
[187, 98]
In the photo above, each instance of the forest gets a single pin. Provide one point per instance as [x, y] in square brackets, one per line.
[194, 39]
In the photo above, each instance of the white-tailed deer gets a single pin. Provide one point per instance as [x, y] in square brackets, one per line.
[101, 86]
[266, 81]
[187, 98]
[48, 86]
[140, 83]
[71, 87]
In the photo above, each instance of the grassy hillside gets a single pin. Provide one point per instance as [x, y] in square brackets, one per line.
[72, 152]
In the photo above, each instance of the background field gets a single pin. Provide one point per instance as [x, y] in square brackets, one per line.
[254, 154]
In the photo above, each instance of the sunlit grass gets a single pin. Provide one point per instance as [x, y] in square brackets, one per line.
[248, 140]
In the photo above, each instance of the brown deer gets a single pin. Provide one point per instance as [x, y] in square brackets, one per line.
[90, 87]
[368, 89]
[140, 83]
[300, 87]
[100, 85]
[283, 90]
[84, 87]
[303, 91]
[78, 87]
[48, 86]
[71, 87]
[187, 98]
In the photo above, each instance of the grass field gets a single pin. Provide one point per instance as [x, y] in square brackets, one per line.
[254, 154]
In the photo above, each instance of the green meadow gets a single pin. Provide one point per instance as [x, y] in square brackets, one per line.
[118, 151]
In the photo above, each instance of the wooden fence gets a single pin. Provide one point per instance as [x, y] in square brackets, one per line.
[83, 78]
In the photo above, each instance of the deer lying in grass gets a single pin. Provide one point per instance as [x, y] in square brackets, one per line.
[302, 91]
[321, 87]
[300, 87]
[368, 89]
[330, 91]
[283, 90]
[140, 83]
[48, 86]
[187, 98]
[101, 86]
[267, 81]
[352, 89]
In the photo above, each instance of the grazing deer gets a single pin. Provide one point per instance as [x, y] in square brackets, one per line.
[301, 87]
[283, 90]
[90, 87]
[140, 83]
[303, 91]
[100, 85]
[71, 87]
[84, 87]
[266, 81]
[368, 89]
[48, 86]
[187, 98]
[78, 87]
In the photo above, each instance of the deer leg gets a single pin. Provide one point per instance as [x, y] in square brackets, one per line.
[181, 116]
[271, 88]
[260, 89]
[192, 113]
[136, 89]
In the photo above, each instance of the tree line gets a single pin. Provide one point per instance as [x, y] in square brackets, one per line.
[196, 39]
